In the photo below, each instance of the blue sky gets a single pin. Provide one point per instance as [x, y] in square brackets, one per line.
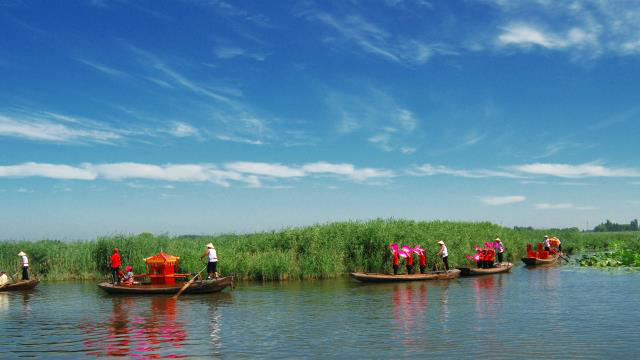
[193, 117]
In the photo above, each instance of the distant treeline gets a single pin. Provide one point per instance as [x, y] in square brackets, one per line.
[608, 226]
[310, 252]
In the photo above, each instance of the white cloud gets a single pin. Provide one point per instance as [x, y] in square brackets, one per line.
[231, 52]
[430, 170]
[408, 150]
[52, 171]
[102, 68]
[347, 170]
[561, 206]
[521, 34]
[44, 127]
[238, 140]
[182, 129]
[502, 200]
[575, 171]
[249, 173]
[266, 169]
[25, 190]
[373, 39]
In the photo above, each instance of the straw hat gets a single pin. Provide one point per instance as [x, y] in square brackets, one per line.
[441, 242]
[546, 236]
[498, 239]
[210, 246]
[21, 253]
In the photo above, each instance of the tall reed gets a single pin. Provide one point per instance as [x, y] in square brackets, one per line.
[317, 251]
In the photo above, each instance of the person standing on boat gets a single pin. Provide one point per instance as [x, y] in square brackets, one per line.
[422, 261]
[395, 262]
[4, 279]
[115, 265]
[409, 262]
[212, 264]
[500, 249]
[559, 245]
[545, 243]
[25, 265]
[444, 253]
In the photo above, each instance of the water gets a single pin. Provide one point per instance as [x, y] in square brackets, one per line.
[558, 313]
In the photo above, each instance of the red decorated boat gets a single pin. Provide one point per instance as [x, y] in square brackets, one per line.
[162, 279]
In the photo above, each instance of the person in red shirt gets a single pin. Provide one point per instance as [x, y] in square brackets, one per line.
[409, 262]
[115, 265]
[423, 261]
[394, 258]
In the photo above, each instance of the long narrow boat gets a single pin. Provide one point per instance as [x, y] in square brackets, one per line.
[432, 275]
[197, 287]
[531, 261]
[500, 268]
[20, 285]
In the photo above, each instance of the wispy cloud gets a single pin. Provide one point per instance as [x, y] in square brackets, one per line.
[431, 170]
[587, 28]
[560, 206]
[182, 129]
[370, 38]
[386, 124]
[102, 68]
[42, 126]
[502, 200]
[575, 171]
[248, 173]
[231, 52]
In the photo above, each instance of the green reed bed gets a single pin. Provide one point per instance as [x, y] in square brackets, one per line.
[311, 252]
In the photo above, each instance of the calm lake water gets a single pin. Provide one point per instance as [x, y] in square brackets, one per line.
[563, 312]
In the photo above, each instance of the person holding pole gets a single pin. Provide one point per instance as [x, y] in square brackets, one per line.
[444, 253]
[212, 264]
[115, 265]
[25, 265]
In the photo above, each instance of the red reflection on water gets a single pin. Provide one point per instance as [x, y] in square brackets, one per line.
[409, 303]
[137, 328]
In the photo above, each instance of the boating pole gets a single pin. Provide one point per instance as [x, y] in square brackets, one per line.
[563, 258]
[187, 284]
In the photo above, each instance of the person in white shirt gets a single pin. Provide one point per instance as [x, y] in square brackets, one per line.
[4, 279]
[444, 253]
[25, 265]
[212, 264]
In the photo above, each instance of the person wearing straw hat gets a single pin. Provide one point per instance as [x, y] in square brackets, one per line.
[546, 244]
[212, 256]
[25, 265]
[444, 253]
[500, 249]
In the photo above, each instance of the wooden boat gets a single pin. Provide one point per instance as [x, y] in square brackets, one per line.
[432, 275]
[197, 287]
[20, 285]
[531, 261]
[500, 268]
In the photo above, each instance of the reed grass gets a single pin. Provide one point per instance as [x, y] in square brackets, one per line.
[312, 252]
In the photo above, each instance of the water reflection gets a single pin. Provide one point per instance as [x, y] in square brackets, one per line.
[138, 327]
[4, 301]
[409, 307]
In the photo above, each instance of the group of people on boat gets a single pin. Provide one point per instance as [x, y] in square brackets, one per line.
[24, 262]
[128, 277]
[485, 257]
[407, 253]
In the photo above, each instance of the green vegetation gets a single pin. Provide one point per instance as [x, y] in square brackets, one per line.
[318, 251]
[623, 253]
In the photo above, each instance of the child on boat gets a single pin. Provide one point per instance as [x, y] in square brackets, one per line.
[128, 277]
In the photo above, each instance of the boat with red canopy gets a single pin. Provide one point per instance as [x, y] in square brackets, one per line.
[161, 278]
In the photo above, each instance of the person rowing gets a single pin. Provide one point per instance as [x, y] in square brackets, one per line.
[500, 249]
[212, 258]
[546, 244]
[444, 253]
[25, 265]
